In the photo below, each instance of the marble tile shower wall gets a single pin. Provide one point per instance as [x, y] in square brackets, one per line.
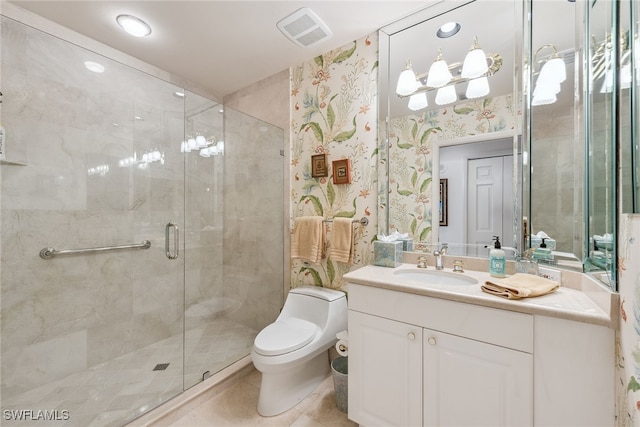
[553, 179]
[67, 125]
[254, 218]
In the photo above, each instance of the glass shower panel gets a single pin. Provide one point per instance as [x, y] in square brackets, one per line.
[254, 226]
[94, 338]
[234, 265]
[205, 304]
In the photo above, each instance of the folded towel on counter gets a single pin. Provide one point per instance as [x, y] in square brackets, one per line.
[308, 239]
[520, 285]
[341, 247]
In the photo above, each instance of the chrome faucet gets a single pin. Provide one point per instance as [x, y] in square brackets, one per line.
[438, 254]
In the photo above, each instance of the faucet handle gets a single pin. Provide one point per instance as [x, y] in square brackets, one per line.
[458, 266]
[422, 262]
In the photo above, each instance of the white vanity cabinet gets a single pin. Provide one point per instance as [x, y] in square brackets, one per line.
[418, 360]
[471, 383]
[385, 373]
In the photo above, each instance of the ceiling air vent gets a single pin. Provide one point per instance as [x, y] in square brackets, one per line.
[304, 28]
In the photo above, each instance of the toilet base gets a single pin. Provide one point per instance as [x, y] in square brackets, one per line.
[283, 390]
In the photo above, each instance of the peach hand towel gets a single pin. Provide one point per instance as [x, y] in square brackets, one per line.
[308, 239]
[520, 285]
[341, 248]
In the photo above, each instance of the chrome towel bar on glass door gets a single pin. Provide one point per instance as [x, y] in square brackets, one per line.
[48, 253]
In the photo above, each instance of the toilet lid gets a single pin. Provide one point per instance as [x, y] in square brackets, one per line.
[284, 336]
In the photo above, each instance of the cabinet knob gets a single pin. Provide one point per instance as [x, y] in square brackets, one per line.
[411, 336]
[432, 340]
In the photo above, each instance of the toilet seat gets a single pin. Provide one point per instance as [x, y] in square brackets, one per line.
[285, 335]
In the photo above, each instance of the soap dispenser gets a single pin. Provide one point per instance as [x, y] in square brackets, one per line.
[543, 253]
[497, 262]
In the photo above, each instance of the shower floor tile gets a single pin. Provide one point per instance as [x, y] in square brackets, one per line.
[121, 389]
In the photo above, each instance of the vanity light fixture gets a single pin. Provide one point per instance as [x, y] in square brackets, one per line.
[133, 25]
[205, 147]
[443, 77]
[475, 63]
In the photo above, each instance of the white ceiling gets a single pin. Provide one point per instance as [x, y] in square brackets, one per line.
[221, 45]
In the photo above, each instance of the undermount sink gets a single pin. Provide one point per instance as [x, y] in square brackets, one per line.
[435, 277]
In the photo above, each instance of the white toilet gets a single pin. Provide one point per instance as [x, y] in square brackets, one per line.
[291, 352]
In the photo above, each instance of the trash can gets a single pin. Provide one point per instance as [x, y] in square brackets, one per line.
[339, 369]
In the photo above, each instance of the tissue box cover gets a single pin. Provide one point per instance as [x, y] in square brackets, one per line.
[407, 244]
[387, 254]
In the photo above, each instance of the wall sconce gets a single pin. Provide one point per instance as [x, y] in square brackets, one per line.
[407, 82]
[552, 73]
[475, 63]
[474, 70]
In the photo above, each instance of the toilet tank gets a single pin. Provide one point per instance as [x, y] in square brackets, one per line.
[314, 304]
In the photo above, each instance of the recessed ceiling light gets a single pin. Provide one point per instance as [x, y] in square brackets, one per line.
[447, 30]
[134, 26]
[94, 66]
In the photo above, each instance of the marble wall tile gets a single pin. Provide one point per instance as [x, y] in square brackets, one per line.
[67, 122]
[253, 232]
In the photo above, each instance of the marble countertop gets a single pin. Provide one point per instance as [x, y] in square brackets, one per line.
[586, 303]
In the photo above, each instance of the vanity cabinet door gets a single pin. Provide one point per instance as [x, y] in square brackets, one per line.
[385, 371]
[472, 383]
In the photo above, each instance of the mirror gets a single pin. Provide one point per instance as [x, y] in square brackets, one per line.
[546, 124]
[417, 138]
[629, 33]
[462, 147]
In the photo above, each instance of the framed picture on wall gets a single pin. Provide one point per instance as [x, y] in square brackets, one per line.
[444, 204]
[341, 171]
[319, 165]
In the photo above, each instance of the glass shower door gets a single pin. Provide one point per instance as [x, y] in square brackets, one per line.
[92, 338]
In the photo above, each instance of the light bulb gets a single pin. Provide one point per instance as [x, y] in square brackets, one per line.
[201, 141]
[475, 63]
[477, 88]
[439, 74]
[418, 101]
[134, 26]
[554, 69]
[407, 83]
[544, 94]
[446, 95]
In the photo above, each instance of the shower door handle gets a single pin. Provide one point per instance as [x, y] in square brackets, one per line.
[176, 240]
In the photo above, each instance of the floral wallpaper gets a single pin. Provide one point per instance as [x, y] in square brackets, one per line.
[411, 141]
[628, 339]
[334, 112]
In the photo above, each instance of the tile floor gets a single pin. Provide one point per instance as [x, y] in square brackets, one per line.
[119, 389]
[236, 406]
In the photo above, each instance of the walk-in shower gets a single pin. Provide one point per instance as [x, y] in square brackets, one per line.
[160, 214]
